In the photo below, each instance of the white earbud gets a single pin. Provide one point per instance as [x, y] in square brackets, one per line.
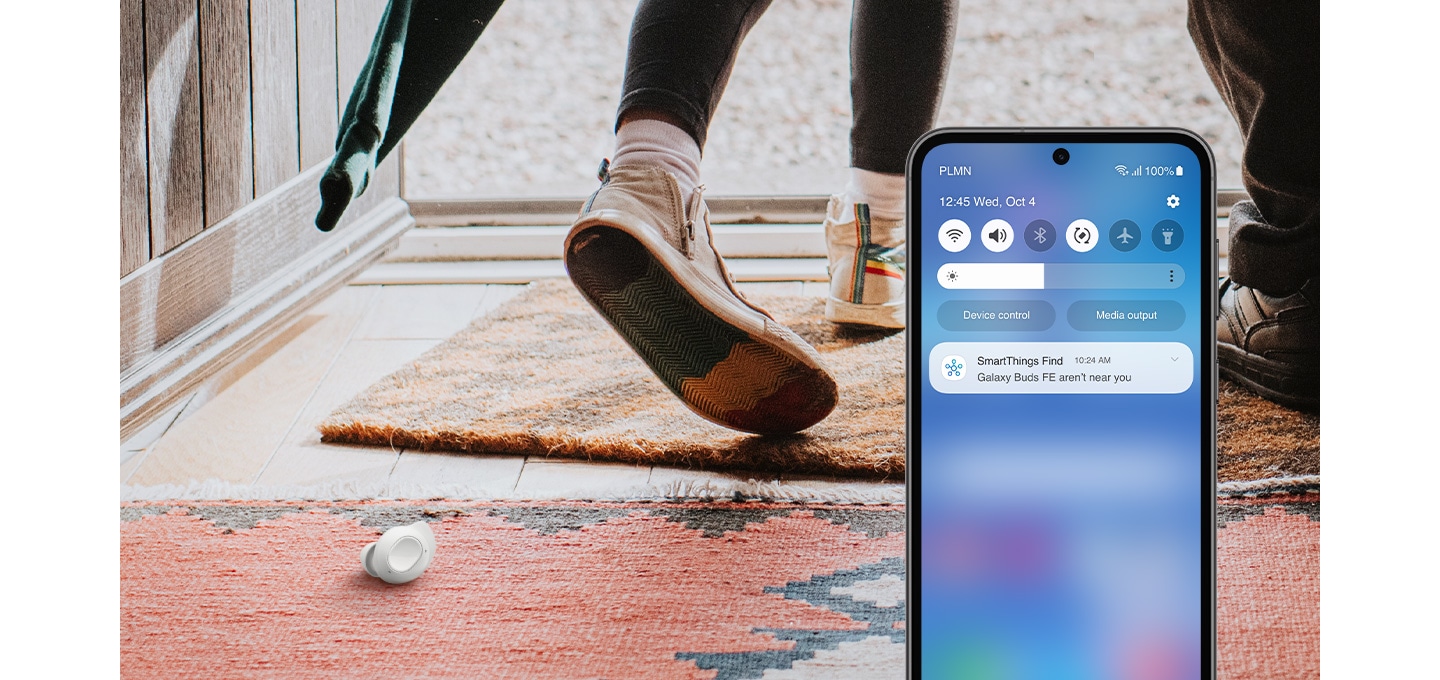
[401, 554]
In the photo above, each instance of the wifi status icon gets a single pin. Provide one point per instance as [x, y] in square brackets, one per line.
[954, 235]
[1124, 171]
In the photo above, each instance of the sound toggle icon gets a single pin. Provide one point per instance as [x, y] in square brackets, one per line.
[998, 235]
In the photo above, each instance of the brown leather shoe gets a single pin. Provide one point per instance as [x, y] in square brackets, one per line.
[1271, 344]
[643, 256]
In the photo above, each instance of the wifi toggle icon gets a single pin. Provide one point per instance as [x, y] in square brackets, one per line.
[954, 235]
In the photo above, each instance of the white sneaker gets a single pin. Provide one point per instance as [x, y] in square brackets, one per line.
[867, 267]
[644, 257]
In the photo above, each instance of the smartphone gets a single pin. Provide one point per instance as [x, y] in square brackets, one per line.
[1061, 404]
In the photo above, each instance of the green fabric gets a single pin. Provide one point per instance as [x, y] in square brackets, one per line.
[418, 44]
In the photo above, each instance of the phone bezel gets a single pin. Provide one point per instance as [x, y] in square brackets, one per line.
[1209, 379]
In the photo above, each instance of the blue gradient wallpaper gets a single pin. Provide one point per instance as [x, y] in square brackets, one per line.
[1057, 438]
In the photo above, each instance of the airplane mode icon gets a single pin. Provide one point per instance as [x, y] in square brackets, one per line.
[1122, 239]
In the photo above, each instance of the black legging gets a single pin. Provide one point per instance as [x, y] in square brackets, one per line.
[682, 51]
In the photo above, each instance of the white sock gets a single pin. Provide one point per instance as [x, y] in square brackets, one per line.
[883, 192]
[643, 141]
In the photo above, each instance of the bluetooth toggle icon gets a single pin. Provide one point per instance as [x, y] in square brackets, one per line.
[1040, 235]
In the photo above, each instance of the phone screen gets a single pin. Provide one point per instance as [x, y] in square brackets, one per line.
[1061, 405]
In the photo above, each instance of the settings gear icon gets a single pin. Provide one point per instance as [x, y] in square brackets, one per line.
[1173, 201]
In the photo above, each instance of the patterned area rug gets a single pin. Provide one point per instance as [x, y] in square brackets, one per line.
[1269, 586]
[634, 590]
[544, 375]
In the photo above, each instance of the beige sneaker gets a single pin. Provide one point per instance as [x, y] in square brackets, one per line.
[643, 256]
[867, 267]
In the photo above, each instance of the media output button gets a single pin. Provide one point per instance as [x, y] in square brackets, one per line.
[1126, 315]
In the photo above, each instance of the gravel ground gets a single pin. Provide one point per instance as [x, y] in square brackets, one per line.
[530, 111]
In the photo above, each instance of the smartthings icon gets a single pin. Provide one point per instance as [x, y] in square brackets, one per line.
[953, 366]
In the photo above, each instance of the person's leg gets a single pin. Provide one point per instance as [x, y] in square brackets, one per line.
[1264, 58]
[679, 60]
[899, 55]
[642, 252]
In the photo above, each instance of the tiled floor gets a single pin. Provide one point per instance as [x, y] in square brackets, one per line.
[254, 426]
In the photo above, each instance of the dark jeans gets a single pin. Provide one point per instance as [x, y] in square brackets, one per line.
[682, 51]
[1264, 58]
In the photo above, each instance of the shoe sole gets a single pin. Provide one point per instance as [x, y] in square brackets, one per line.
[882, 316]
[718, 369]
[1280, 383]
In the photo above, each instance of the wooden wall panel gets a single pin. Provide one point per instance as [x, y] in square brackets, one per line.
[225, 103]
[172, 65]
[134, 190]
[319, 86]
[164, 300]
[201, 148]
[274, 77]
[355, 24]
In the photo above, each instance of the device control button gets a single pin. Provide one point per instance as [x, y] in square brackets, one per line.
[996, 315]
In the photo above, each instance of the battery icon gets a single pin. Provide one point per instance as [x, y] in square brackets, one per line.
[1179, 170]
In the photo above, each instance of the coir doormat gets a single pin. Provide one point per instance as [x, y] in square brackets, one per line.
[544, 375]
[584, 590]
